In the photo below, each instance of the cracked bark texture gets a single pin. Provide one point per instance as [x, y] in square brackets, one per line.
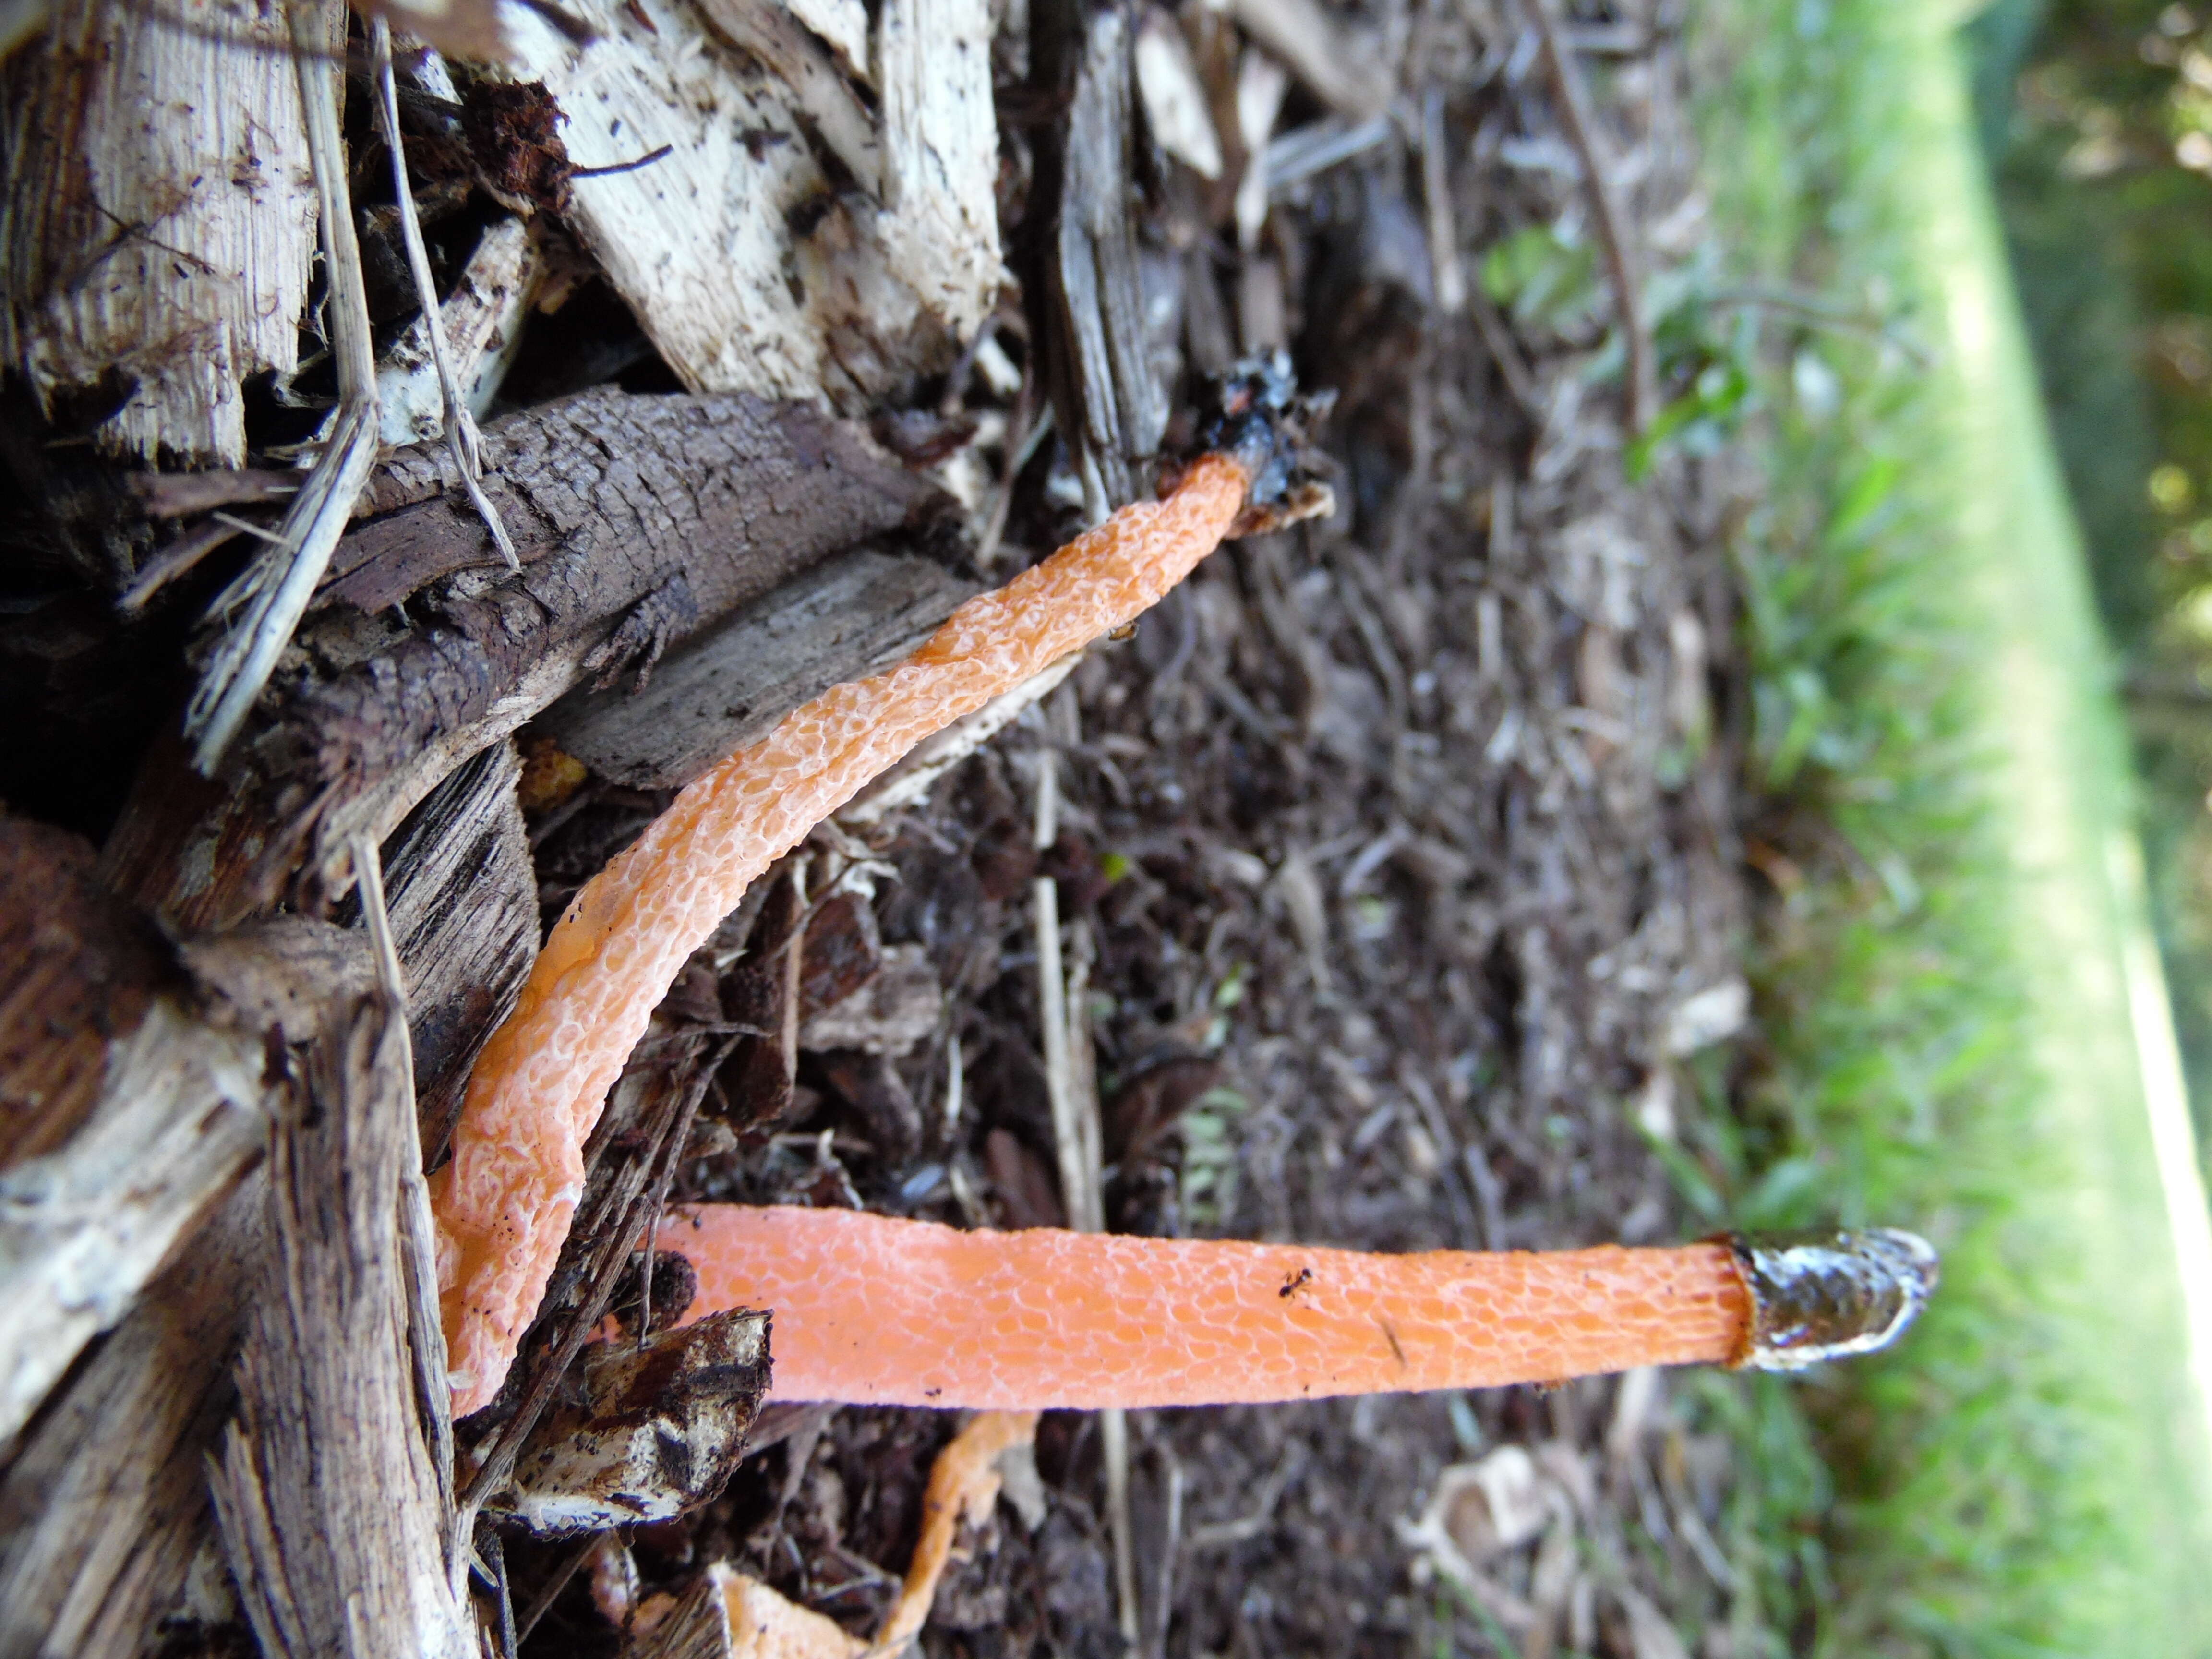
[640, 521]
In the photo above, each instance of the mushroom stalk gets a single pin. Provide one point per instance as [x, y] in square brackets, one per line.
[873, 1310]
[503, 1204]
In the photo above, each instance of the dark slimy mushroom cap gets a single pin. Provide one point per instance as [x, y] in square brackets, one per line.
[1829, 1295]
[1256, 413]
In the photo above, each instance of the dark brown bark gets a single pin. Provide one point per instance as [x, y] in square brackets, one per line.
[640, 521]
[841, 620]
[77, 970]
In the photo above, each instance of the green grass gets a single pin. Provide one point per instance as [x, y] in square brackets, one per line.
[1948, 1041]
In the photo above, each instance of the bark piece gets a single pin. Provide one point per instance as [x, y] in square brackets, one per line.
[899, 1007]
[843, 620]
[77, 970]
[1104, 389]
[662, 1427]
[660, 513]
[332, 1516]
[746, 266]
[463, 897]
[154, 240]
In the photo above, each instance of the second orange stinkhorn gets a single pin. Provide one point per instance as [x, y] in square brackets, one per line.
[872, 1309]
[503, 1204]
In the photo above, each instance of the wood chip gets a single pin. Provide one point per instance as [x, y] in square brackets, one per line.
[660, 1427]
[138, 1100]
[844, 620]
[333, 1519]
[746, 266]
[154, 239]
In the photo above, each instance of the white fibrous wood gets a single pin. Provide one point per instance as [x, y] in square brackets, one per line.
[158, 220]
[748, 266]
[695, 241]
[941, 154]
[812, 80]
[843, 24]
[83, 1228]
[483, 317]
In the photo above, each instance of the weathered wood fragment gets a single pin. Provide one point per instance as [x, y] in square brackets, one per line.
[105, 1503]
[774, 34]
[464, 899]
[1105, 392]
[156, 235]
[104, 1506]
[660, 1426]
[482, 319]
[134, 1098]
[638, 520]
[844, 25]
[332, 1517]
[746, 265]
[1342, 65]
[841, 620]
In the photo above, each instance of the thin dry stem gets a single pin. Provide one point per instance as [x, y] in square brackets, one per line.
[274, 590]
[460, 432]
[1581, 128]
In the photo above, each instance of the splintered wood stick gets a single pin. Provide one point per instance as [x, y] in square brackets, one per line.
[504, 1203]
[875, 1311]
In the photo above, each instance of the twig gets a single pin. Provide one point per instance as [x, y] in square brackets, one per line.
[1447, 275]
[462, 440]
[1052, 1016]
[1218, 1535]
[1071, 1084]
[1171, 1545]
[1498, 339]
[496, 1548]
[695, 1092]
[616, 1225]
[550, 1591]
[418, 1233]
[1582, 132]
[274, 590]
[173, 560]
[613, 167]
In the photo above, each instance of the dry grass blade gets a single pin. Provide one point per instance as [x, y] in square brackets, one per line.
[1581, 127]
[265, 604]
[460, 427]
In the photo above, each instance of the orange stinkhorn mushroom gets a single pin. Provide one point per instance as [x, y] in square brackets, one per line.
[873, 1310]
[503, 1204]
